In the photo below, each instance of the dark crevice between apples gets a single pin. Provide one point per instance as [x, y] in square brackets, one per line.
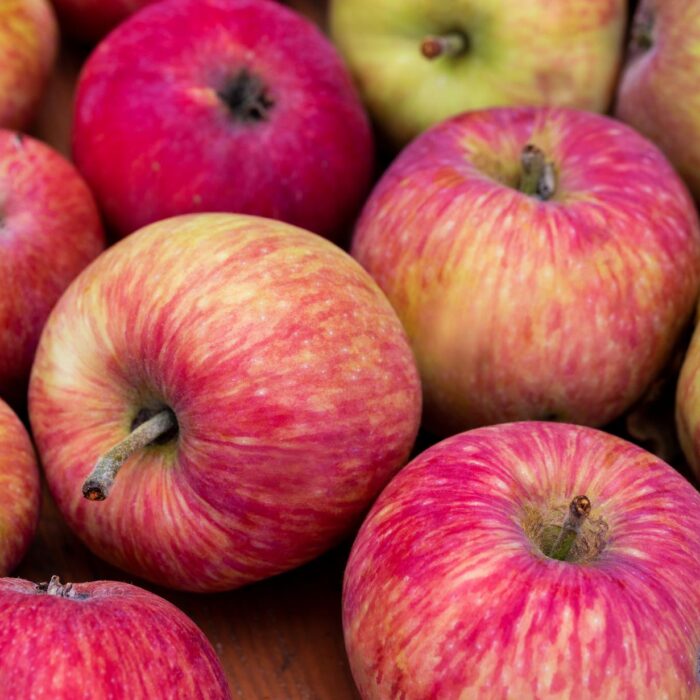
[566, 531]
[247, 97]
[641, 34]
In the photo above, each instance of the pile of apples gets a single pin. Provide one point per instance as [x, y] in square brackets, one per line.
[217, 392]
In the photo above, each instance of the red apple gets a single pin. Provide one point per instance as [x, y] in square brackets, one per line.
[543, 262]
[102, 639]
[221, 105]
[90, 20]
[28, 44]
[19, 490]
[658, 92]
[277, 370]
[530, 560]
[49, 231]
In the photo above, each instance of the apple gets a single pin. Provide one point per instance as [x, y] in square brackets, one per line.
[688, 403]
[543, 262]
[90, 20]
[418, 63]
[28, 46]
[49, 231]
[528, 560]
[658, 92]
[102, 639]
[252, 379]
[19, 490]
[241, 106]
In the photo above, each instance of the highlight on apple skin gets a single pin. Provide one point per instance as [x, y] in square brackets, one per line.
[418, 63]
[241, 106]
[102, 639]
[28, 46]
[90, 20]
[278, 372]
[449, 593]
[50, 230]
[543, 262]
[19, 490]
[658, 91]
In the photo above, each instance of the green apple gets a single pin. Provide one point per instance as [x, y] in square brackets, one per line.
[418, 62]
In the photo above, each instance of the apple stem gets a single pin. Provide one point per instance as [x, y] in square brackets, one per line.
[450, 44]
[97, 485]
[538, 177]
[579, 509]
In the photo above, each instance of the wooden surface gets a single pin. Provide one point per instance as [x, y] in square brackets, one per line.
[280, 639]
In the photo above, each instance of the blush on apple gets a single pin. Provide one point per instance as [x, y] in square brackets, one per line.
[419, 62]
[249, 382]
[530, 560]
[19, 490]
[102, 639]
[28, 44]
[49, 231]
[221, 105]
[658, 92]
[543, 262]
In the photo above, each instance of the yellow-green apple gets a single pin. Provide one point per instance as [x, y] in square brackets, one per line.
[528, 560]
[658, 92]
[688, 403]
[90, 20]
[542, 260]
[101, 640]
[49, 231]
[419, 62]
[19, 490]
[241, 106]
[258, 377]
[28, 44]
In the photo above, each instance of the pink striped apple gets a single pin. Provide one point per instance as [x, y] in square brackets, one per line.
[28, 45]
[19, 490]
[49, 231]
[419, 62]
[90, 20]
[102, 639]
[658, 92]
[528, 560]
[221, 105]
[257, 376]
[543, 262]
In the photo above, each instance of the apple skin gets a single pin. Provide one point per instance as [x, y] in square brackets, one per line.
[293, 384]
[688, 403]
[534, 52]
[19, 490]
[50, 230]
[446, 595]
[102, 639]
[309, 162]
[90, 20]
[518, 308]
[658, 92]
[28, 47]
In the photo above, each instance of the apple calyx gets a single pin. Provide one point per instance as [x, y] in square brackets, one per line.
[98, 484]
[449, 44]
[641, 33]
[246, 97]
[56, 588]
[537, 176]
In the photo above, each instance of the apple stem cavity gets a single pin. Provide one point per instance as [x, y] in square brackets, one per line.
[246, 97]
[537, 177]
[451, 44]
[98, 484]
[579, 510]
